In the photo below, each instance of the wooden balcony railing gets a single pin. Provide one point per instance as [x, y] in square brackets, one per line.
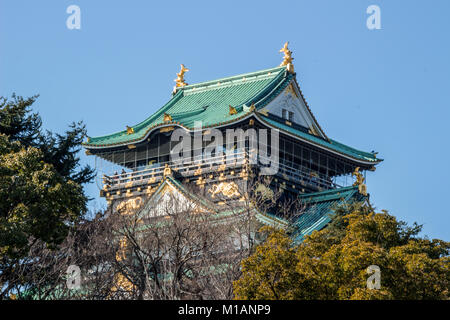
[295, 173]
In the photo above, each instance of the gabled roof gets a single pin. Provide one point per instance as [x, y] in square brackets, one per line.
[174, 184]
[207, 102]
[318, 211]
[329, 144]
[320, 207]
[206, 205]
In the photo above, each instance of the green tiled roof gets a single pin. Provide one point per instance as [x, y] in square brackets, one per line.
[330, 144]
[207, 102]
[320, 207]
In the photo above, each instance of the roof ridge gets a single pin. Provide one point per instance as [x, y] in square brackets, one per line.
[277, 73]
[187, 193]
[369, 154]
[327, 192]
[144, 122]
[261, 97]
[160, 111]
[230, 78]
[333, 146]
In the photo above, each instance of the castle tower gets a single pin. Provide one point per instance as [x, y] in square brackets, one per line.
[291, 147]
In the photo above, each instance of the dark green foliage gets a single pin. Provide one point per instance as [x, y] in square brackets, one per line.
[41, 193]
[19, 124]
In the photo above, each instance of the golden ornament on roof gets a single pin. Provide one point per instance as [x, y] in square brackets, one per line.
[228, 189]
[359, 177]
[360, 182]
[167, 171]
[130, 130]
[180, 77]
[287, 59]
[167, 117]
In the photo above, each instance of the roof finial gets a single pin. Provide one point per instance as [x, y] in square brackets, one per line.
[167, 117]
[130, 130]
[180, 78]
[287, 59]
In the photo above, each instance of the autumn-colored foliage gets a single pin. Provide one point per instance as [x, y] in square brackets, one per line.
[332, 263]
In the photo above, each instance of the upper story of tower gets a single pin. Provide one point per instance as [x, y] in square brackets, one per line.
[267, 99]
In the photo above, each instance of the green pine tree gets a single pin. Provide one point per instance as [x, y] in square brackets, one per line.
[41, 192]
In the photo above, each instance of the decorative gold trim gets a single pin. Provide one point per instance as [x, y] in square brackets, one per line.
[167, 171]
[167, 117]
[129, 184]
[228, 189]
[149, 190]
[166, 129]
[200, 181]
[179, 81]
[131, 146]
[287, 59]
[362, 188]
[130, 130]
[264, 112]
[290, 89]
[232, 110]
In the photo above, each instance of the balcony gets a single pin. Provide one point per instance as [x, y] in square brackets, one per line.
[291, 173]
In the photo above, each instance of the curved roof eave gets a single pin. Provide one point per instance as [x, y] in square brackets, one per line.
[367, 162]
[242, 118]
[163, 125]
[260, 99]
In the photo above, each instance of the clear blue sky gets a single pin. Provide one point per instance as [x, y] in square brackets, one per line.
[386, 90]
